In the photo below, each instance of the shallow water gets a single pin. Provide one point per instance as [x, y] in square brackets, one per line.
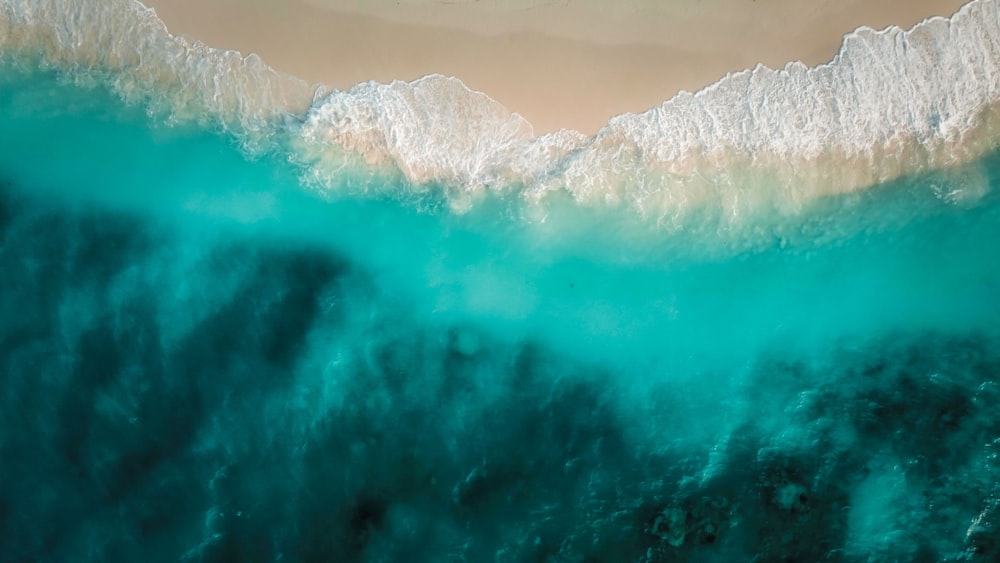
[204, 360]
[225, 335]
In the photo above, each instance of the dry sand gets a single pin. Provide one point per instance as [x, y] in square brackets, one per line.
[559, 63]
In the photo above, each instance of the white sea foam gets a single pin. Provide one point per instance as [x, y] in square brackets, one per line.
[891, 103]
[124, 43]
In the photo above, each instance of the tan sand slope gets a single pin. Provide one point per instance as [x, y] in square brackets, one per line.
[559, 63]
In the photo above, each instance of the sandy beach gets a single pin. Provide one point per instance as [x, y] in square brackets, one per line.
[559, 63]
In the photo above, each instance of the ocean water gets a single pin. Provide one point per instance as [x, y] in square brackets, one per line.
[244, 318]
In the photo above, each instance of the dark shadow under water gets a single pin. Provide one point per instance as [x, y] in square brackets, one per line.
[225, 398]
[174, 389]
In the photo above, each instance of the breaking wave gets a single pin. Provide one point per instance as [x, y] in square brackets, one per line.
[203, 361]
[891, 103]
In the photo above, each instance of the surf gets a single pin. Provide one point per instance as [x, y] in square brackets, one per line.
[244, 316]
[892, 103]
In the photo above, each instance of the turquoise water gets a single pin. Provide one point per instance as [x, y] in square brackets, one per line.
[206, 358]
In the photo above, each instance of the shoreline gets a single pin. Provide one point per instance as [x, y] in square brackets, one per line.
[562, 66]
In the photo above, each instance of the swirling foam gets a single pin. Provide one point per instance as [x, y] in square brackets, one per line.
[123, 43]
[891, 103]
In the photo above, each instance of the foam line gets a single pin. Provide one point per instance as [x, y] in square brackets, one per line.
[123, 43]
[891, 103]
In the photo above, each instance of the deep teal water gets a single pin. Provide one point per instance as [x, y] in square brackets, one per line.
[203, 359]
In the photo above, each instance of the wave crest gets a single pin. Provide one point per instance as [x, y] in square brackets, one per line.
[891, 103]
[123, 43]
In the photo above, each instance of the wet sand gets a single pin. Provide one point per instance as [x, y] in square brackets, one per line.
[559, 63]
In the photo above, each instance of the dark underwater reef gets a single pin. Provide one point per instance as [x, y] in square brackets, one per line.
[209, 396]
